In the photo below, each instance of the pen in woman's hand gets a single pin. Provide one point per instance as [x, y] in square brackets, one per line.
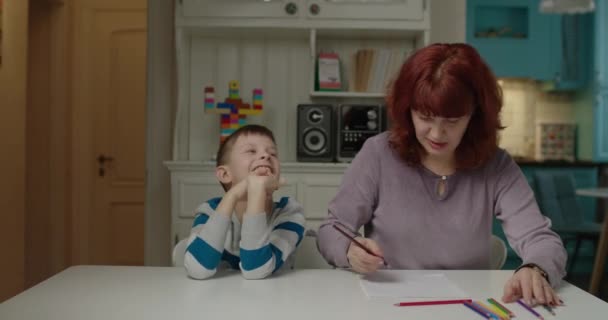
[358, 244]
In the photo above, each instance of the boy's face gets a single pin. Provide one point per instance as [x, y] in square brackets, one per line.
[252, 154]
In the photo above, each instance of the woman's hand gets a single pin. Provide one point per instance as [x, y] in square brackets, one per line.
[529, 284]
[361, 261]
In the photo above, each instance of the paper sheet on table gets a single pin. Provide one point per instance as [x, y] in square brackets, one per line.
[404, 284]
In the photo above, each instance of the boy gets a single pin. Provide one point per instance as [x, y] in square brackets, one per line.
[245, 229]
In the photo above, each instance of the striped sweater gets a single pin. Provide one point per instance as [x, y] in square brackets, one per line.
[258, 247]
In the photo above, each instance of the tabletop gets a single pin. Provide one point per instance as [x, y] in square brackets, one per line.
[593, 192]
[114, 292]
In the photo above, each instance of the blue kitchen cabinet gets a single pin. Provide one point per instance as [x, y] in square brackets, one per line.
[518, 41]
[571, 51]
[511, 36]
[601, 44]
[600, 110]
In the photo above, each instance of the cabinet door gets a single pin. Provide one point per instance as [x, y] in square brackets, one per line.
[601, 45]
[571, 50]
[240, 8]
[601, 126]
[367, 10]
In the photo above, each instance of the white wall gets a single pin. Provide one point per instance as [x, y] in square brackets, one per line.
[281, 67]
[448, 20]
[160, 113]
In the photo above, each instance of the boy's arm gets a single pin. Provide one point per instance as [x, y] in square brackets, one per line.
[207, 238]
[265, 248]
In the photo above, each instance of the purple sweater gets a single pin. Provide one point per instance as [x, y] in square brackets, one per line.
[417, 229]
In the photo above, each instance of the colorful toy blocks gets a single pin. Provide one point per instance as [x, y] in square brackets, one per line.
[233, 111]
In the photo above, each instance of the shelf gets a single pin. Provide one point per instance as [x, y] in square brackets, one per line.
[346, 94]
[189, 166]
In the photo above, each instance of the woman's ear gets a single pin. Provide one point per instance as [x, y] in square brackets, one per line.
[223, 174]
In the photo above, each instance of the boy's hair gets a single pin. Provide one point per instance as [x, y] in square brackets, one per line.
[226, 147]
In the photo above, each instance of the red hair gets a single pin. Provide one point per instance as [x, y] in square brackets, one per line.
[446, 80]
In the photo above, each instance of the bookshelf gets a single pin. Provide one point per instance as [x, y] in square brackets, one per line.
[388, 48]
[346, 94]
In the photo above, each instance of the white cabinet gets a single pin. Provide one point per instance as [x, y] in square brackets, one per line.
[272, 44]
[304, 14]
[192, 183]
[368, 10]
[240, 8]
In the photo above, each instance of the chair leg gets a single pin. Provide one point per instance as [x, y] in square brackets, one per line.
[577, 246]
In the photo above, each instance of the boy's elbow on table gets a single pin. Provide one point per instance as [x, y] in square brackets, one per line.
[195, 270]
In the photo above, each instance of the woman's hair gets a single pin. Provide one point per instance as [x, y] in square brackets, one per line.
[446, 80]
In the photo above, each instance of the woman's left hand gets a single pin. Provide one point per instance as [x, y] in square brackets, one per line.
[529, 284]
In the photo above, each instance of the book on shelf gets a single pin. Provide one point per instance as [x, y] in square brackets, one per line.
[328, 72]
[372, 70]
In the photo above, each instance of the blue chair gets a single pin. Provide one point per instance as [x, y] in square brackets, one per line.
[557, 200]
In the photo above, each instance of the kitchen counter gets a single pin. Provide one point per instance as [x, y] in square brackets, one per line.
[557, 163]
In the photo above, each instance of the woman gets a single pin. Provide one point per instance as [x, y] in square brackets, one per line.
[427, 190]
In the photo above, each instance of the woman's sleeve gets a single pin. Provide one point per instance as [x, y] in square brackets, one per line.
[528, 231]
[353, 205]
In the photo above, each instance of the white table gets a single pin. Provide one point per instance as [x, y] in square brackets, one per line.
[602, 247]
[149, 293]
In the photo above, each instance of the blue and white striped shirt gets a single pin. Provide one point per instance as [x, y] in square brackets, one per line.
[258, 247]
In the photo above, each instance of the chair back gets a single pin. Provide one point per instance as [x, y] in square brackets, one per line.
[307, 255]
[498, 253]
[557, 199]
[179, 253]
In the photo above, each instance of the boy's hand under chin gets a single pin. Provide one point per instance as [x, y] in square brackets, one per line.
[262, 180]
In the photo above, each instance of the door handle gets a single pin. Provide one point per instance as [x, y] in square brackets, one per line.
[102, 159]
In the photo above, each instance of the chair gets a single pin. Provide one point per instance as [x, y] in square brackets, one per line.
[179, 253]
[558, 201]
[307, 255]
[498, 253]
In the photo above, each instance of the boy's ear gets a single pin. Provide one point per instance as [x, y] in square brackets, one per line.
[223, 174]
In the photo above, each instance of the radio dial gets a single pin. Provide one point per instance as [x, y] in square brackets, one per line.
[372, 125]
[372, 115]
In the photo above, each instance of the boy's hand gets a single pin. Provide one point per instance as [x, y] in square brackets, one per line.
[236, 193]
[239, 190]
[266, 184]
[264, 180]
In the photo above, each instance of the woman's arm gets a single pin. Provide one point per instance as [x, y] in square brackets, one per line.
[528, 231]
[353, 205]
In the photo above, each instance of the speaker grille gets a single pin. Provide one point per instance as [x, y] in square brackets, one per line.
[315, 133]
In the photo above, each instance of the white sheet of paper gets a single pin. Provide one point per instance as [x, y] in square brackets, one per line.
[403, 284]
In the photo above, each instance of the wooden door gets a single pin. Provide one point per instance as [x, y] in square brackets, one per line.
[13, 103]
[109, 131]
